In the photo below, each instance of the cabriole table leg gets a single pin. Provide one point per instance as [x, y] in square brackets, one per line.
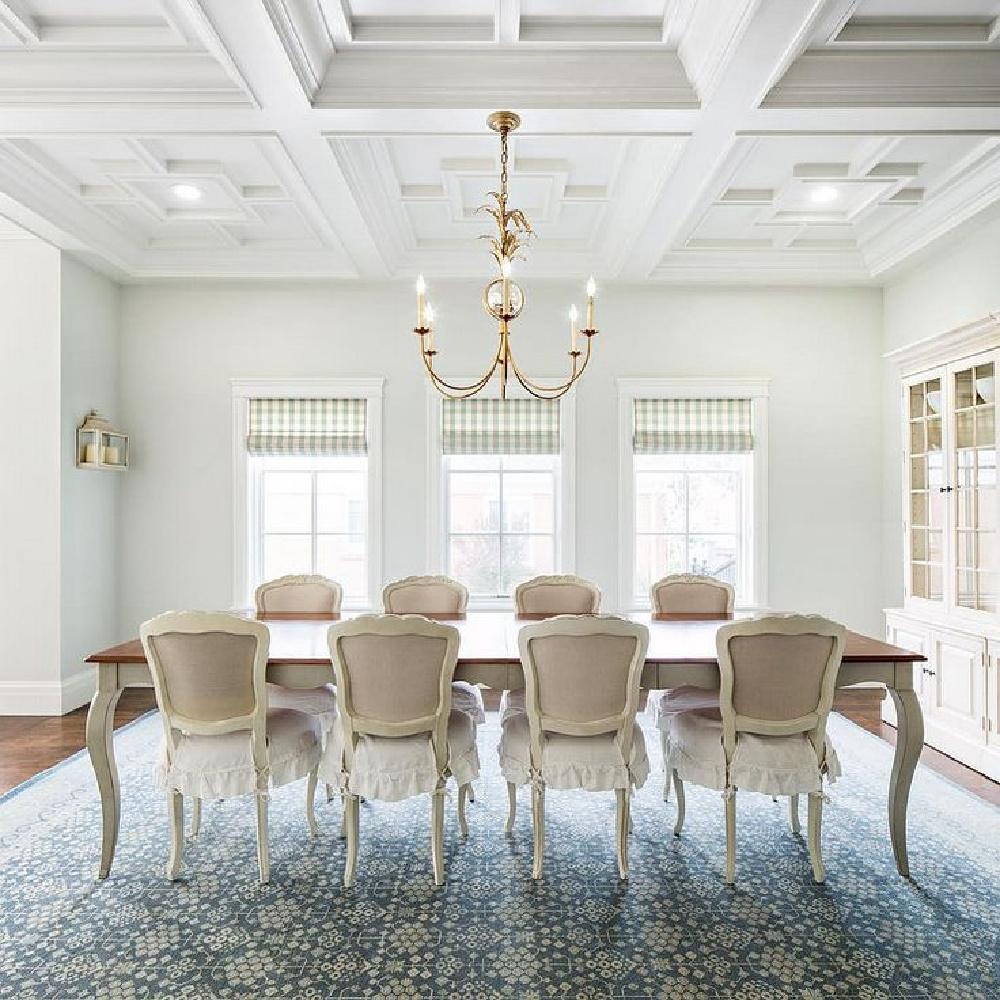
[100, 745]
[909, 743]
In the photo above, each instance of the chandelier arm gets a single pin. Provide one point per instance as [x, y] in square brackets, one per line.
[550, 392]
[462, 390]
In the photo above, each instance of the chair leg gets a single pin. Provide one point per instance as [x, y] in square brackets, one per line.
[511, 808]
[471, 794]
[815, 820]
[311, 803]
[352, 825]
[195, 817]
[731, 837]
[175, 810]
[437, 835]
[666, 778]
[681, 804]
[538, 826]
[343, 815]
[793, 807]
[263, 856]
[622, 821]
[329, 792]
[463, 823]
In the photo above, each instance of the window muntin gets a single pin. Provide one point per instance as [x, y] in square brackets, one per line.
[693, 513]
[501, 520]
[311, 517]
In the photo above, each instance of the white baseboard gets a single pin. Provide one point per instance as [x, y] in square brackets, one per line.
[53, 698]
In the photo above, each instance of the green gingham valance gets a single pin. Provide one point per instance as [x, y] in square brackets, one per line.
[307, 427]
[499, 427]
[698, 426]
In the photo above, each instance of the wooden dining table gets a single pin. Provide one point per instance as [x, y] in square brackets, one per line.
[681, 652]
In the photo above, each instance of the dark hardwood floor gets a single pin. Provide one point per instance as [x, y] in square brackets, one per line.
[30, 744]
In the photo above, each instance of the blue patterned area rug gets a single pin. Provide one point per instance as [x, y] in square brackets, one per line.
[674, 930]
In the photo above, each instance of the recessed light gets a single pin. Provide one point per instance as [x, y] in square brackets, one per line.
[823, 194]
[186, 192]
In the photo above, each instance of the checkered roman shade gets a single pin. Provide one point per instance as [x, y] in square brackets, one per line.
[307, 427]
[499, 427]
[698, 426]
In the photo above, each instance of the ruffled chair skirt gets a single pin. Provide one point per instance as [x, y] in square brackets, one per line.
[591, 762]
[391, 769]
[221, 767]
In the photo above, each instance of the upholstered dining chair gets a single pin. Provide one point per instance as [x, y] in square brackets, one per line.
[437, 595]
[397, 735]
[683, 594]
[221, 739]
[549, 596]
[311, 595]
[778, 676]
[581, 678]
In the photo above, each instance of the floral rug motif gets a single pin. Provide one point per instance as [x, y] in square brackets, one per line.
[674, 930]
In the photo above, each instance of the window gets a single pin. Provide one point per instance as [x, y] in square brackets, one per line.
[501, 519]
[693, 484]
[312, 517]
[503, 469]
[308, 483]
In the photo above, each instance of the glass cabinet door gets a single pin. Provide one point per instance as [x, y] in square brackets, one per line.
[928, 508]
[974, 481]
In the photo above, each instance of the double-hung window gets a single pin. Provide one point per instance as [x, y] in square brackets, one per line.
[310, 499]
[693, 485]
[503, 500]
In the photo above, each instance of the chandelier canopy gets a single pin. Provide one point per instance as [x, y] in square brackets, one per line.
[503, 299]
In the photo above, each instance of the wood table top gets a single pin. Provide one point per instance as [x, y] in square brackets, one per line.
[491, 637]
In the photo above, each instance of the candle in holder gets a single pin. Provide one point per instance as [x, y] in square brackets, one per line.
[110, 455]
[90, 454]
[505, 271]
[430, 326]
[591, 288]
[572, 328]
[421, 288]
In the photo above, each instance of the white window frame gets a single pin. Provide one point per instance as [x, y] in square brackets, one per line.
[565, 533]
[629, 390]
[245, 514]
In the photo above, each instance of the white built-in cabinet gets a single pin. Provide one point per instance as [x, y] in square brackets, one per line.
[951, 539]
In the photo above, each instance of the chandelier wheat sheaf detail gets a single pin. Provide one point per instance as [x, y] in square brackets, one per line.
[503, 299]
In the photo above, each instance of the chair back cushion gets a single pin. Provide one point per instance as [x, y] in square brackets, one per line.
[393, 678]
[425, 595]
[779, 677]
[557, 595]
[690, 594]
[299, 595]
[581, 678]
[206, 676]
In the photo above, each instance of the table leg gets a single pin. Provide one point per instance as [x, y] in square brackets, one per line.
[100, 745]
[909, 743]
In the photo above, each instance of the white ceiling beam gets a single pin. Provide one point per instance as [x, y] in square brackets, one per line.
[256, 48]
[17, 19]
[768, 44]
[338, 22]
[507, 22]
[677, 16]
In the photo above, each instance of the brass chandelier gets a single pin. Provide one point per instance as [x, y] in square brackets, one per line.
[504, 299]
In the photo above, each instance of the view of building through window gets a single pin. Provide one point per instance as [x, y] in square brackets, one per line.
[500, 520]
[311, 518]
[693, 515]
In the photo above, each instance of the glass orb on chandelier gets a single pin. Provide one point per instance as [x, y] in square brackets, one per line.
[504, 299]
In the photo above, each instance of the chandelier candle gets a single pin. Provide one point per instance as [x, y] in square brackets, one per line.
[503, 299]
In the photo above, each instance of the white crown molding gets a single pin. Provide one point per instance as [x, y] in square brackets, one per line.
[964, 341]
[863, 78]
[305, 38]
[777, 267]
[710, 35]
[533, 78]
[16, 19]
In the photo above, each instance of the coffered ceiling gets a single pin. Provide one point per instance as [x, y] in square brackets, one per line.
[665, 140]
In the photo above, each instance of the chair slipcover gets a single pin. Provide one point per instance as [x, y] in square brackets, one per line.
[661, 705]
[219, 767]
[591, 762]
[774, 765]
[391, 769]
[321, 702]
